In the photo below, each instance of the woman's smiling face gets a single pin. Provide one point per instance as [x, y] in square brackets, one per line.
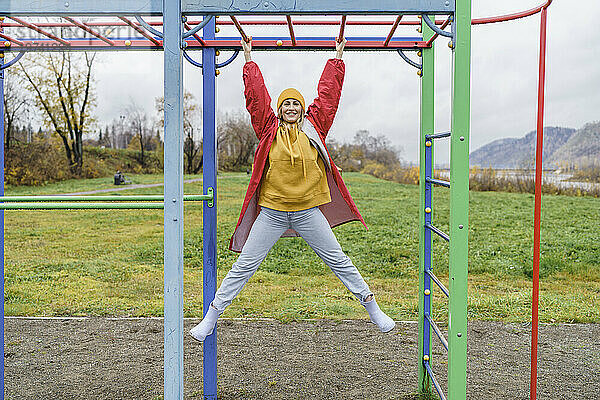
[291, 110]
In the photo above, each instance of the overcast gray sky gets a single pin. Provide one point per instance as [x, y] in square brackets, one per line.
[381, 92]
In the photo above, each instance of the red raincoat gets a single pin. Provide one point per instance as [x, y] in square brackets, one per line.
[319, 115]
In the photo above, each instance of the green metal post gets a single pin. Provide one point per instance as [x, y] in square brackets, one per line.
[427, 127]
[459, 202]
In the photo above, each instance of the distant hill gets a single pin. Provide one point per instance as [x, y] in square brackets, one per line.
[582, 148]
[561, 145]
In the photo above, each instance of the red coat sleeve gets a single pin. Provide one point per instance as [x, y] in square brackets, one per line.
[322, 111]
[258, 101]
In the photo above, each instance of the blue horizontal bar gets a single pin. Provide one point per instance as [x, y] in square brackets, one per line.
[224, 7]
[437, 330]
[40, 44]
[50, 47]
[438, 282]
[437, 386]
[439, 232]
[438, 182]
[438, 135]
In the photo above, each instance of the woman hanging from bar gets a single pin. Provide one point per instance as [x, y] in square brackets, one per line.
[295, 188]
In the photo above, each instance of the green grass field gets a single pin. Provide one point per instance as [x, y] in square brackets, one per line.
[109, 263]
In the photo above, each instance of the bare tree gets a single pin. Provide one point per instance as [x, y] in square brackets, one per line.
[376, 148]
[141, 127]
[63, 88]
[192, 146]
[16, 107]
[364, 147]
[104, 138]
[345, 155]
[236, 141]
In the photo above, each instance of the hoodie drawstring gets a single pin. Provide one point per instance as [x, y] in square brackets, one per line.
[285, 131]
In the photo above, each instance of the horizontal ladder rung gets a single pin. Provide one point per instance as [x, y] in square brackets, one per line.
[438, 135]
[437, 330]
[80, 206]
[438, 282]
[438, 182]
[117, 198]
[439, 232]
[436, 384]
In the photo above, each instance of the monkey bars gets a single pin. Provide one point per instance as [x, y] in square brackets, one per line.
[77, 33]
[221, 7]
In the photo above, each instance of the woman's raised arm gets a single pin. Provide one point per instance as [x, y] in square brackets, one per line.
[339, 48]
[258, 101]
[323, 109]
[247, 46]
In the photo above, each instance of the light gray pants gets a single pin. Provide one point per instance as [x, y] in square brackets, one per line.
[268, 227]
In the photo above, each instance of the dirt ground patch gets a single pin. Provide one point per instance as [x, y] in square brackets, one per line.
[97, 358]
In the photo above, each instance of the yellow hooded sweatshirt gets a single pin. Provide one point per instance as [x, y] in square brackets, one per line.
[296, 177]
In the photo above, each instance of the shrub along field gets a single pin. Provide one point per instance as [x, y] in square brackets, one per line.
[109, 263]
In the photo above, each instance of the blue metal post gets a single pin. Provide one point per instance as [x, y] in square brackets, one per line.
[428, 254]
[427, 119]
[173, 192]
[2, 217]
[209, 215]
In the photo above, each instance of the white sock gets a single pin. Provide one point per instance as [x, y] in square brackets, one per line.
[207, 325]
[378, 317]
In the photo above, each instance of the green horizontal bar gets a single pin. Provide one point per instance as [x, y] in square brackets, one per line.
[82, 206]
[148, 197]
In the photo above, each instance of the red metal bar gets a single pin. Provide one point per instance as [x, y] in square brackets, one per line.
[475, 21]
[140, 44]
[444, 25]
[342, 28]
[223, 22]
[140, 31]
[510, 17]
[195, 35]
[91, 23]
[307, 22]
[326, 22]
[291, 28]
[13, 40]
[145, 44]
[38, 30]
[537, 214]
[389, 36]
[239, 28]
[90, 31]
[317, 44]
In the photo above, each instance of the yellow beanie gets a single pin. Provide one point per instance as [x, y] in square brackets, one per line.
[290, 93]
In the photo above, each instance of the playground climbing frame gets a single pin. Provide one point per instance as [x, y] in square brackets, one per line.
[178, 32]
